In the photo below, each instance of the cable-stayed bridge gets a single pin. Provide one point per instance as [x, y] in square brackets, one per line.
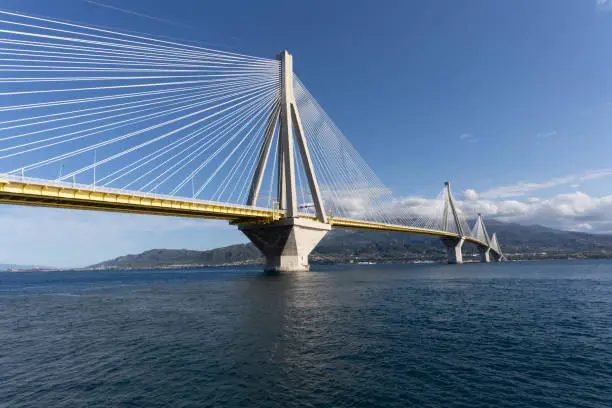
[92, 118]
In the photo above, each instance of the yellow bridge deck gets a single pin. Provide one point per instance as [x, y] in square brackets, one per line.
[43, 193]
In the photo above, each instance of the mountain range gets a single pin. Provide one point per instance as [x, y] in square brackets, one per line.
[349, 246]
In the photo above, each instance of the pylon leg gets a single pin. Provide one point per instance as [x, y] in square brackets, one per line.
[485, 254]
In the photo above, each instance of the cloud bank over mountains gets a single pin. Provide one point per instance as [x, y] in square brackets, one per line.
[573, 211]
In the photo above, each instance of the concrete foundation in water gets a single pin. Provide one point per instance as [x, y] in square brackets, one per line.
[287, 243]
[453, 249]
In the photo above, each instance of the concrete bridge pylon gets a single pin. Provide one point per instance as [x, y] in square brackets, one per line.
[482, 234]
[287, 242]
[453, 245]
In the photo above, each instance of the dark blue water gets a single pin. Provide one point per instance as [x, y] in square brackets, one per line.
[501, 335]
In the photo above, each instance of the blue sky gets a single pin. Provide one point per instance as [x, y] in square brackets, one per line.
[510, 100]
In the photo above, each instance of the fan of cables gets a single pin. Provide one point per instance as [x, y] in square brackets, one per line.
[94, 106]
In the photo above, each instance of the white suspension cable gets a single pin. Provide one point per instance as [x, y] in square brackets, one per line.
[226, 130]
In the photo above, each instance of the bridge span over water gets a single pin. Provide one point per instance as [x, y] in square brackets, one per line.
[95, 119]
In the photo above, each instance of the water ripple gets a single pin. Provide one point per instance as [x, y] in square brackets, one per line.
[507, 335]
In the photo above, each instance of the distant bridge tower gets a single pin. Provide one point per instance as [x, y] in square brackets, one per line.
[498, 256]
[453, 245]
[287, 243]
[480, 233]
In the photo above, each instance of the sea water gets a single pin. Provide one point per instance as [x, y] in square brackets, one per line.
[515, 334]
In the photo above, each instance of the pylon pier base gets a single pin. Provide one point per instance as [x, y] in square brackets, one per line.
[453, 249]
[495, 257]
[287, 243]
[485, 254]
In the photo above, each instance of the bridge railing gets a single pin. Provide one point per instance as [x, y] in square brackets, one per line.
[110, 190]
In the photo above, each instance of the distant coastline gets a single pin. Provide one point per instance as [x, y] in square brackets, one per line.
[342, 247]
[256, 263]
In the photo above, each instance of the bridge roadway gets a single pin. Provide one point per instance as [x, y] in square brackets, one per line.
[44, 193]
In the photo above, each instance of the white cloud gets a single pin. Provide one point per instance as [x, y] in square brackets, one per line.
[414, 207]
[546, 135]
[470, 195]
[603, 5]
[521, 189]
[575, 211]
[584, 227]
[468, 137]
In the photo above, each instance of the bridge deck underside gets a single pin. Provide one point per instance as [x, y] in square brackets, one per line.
[42, 195]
